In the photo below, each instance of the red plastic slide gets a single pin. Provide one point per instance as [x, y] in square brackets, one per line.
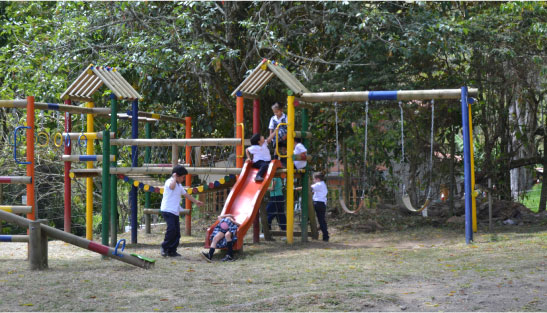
[244, 200]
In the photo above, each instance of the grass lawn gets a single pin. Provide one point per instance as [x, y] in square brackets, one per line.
[422, 268]
[531, 198]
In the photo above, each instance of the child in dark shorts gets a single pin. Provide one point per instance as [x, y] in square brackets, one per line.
[223, 236]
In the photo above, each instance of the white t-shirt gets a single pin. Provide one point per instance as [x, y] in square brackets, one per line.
[320, 191]
[274, 121]
[171, 198]
[298, 149]
[260, 153]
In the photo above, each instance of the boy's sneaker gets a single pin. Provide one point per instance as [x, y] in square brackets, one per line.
[206, 256]
[228, 258]
[174, 255]
[259, 178]
[163, 253]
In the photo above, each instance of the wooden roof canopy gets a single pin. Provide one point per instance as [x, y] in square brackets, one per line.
[93, 77]
[262, 74]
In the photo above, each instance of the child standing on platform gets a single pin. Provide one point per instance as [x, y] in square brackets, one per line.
[259, 153]
[320, 191]
[170, 207]
[279, 117]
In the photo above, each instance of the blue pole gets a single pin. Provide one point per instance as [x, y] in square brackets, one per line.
[134, 163]
[467, 167]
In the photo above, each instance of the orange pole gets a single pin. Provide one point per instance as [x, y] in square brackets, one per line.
[239, 131]
[188, 203]
[30, 158]
[256, 130]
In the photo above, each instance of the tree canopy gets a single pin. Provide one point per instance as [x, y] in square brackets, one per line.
[187, 57]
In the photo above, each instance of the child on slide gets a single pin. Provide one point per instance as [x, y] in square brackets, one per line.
[223, 236]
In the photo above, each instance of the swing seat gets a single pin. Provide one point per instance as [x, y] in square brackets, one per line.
[405, 202]
[345, 208]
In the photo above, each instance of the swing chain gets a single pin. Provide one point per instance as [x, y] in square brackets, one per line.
[337, 144]
[364, 177]
[402, 147]
[41, 119]
[432, 141]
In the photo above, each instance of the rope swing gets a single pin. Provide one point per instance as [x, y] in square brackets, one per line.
[405, 198]
[363, 178]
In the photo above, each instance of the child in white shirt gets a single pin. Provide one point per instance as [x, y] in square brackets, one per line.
[300, 150]
[172, 194]
[259, 153]
[279, 117]
[320, 191]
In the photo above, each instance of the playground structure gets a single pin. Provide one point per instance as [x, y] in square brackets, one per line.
[300, 97]
[82, 89]
[244, 192]
[38, 233]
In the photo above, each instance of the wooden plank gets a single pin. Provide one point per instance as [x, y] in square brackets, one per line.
[167, 170]
[403, 95]
[114, 80]
[177, 142]
[16, 209]
[110, 86]
[157, 211]
[246, 80]
[15, 179]
[88, 136]
[75, 82]
[133, 91]
[80, 242]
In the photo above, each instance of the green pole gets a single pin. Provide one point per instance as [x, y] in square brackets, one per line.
[147, 193]
[305, 182]
[105, 182]
[113, 178]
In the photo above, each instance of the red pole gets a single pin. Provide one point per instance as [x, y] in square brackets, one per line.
[256, 130]
[68, 190]
[188, 203]
[30, 158]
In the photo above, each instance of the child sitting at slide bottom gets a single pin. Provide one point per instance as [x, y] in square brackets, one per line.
[224, 235]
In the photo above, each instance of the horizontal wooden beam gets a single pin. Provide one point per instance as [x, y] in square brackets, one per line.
[197, 142]
[17, 209]
[15, 179]
[80, 173]
[298, 157]
[167, 170]
[161, 117]
[85, 158]
[13, 238]
[402, 95]
[300, 134]
[157, 211]
[88, 136]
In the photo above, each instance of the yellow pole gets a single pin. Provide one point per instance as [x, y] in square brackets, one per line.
[89, 180]
[290, 168]
[473, 192]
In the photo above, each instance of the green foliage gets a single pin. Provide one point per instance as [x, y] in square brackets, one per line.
[186, 58]
[530, 199]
